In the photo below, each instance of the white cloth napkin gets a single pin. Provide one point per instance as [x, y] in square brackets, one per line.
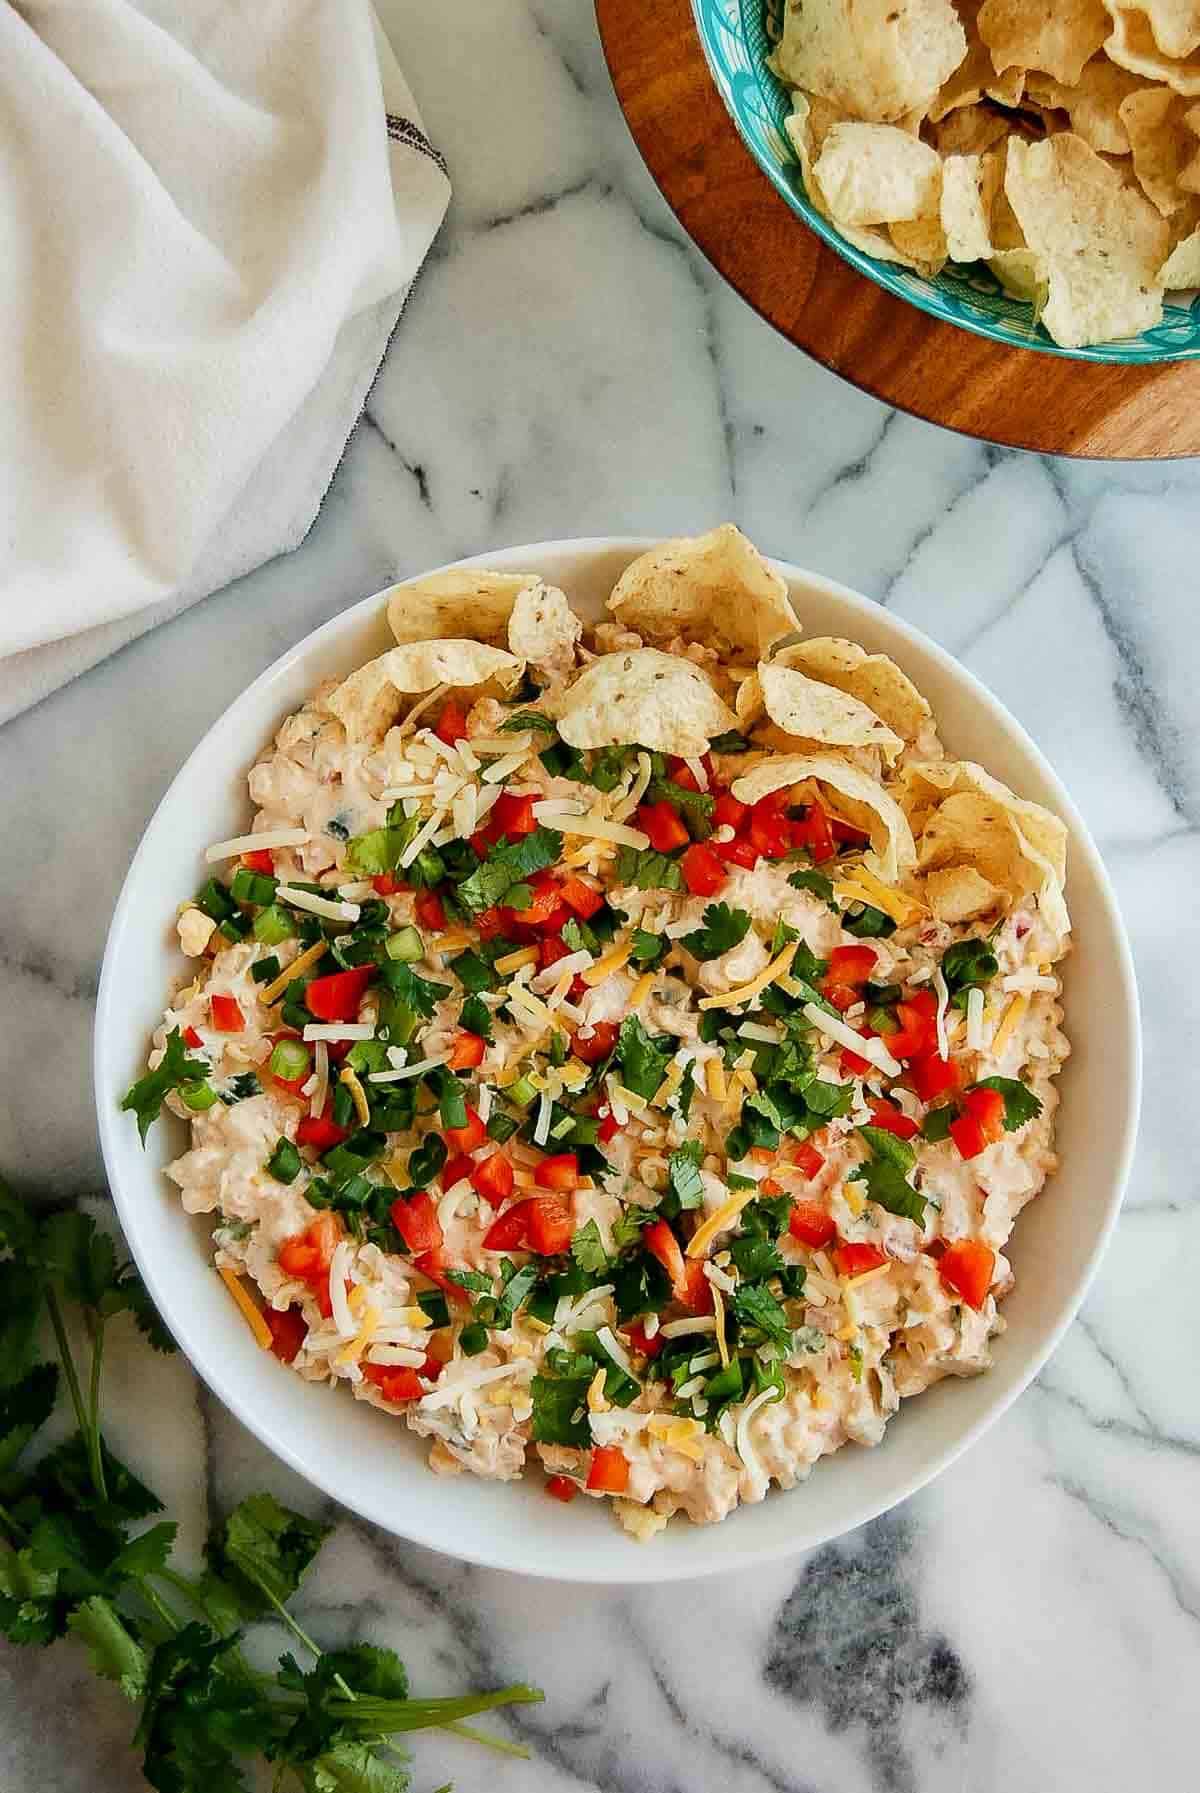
[211, 212]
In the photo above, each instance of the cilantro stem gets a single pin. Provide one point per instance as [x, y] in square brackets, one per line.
[157, 1605]
[501, 1745]
[297, 1630]
[96, 1334]
[69, 1371]
[10, 1524]
[371, 1715]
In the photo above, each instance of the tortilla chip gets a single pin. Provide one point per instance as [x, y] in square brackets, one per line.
[1160, 129]
[921, 243]
[465, 605]
[1182, 267]
[969, 188]
[713, 588]
[1133, 45]
[962, 816]
[975, 78]
[543, 630]
[960, 894]
[876, 174]
[873, 679]
[1175, 25]
[808, 126]
[862, 799]
[1022, 273]
[1093, 105]
[971, 130]
[1100, 244]
[877, 59]
[1056, 36]
[373, 698]
[818, 712]
[655, 700]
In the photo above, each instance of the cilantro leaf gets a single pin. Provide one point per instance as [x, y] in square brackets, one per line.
[262, 1550]
[18, 1227]
[507, 865]
[683, 1166]
[868, 923]
[587, 1248]
[936, 1125]
[754, 1305]
[112, 1650]
[25, 1406]
[730, 742]
[645, 869]
[201, 1712]
[476, 1017]
[421, 995]
[1020, 1103]
[79, 1257]
[21, 1291]
[756, 1257]
[646, 949]
[30, 1612]
[696, 807]
[353, 1768]
[177, 1071]
[370, 855]
[560, 1409]
[887, 1145]
[968, 963]
[372, 1672]
[527, 719]
[888, 1186]
[812, 880]
[643, 1060]
[724, 928]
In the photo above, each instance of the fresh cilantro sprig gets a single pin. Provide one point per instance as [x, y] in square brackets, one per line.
[175, 1071]
[723, 929]
[503, 873]
[77, 1558]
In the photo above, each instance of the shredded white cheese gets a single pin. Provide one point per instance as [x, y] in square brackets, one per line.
[943, 1003]
[742, 1443]
[975, 1034]
[339, 1030]
[317, 905]
[398, 1076]
[874, 1051]
[256, 843]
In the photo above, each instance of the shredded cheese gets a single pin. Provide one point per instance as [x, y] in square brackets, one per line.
[719, 1317]
[595, 1394]
[362, 1338]
[357, 1094]
[854, 1199]
[320, 1079]
[529, 1006]
[747, 992]
[865, 887]
[596, 827]
[714, 1080]
[834, 1028]
[317, 905]
[338, 1030]
[637, 790]
[1009, 1022]
[683, 1435]
[250, 1313]
[274, 990]
[718, 1222]
[743, 1445]
[875, 1275]
[525, 955]
[612, 961]
[257, 843]
[943, 1003]
[975, 1035]
[405, 1071]
[642, 989]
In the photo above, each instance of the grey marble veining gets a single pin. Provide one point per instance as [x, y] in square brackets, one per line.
[568, 365]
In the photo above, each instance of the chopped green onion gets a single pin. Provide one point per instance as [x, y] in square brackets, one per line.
[272, 926]
[234, 927]
[290, 1060]
[367, 1056]
[215, 900]
[473, 1339]
[343, 1106]
[522, 1092]
[253, 887]
[263, 971]
[433, 1303]
[284, 1162]
[472, 972]
[882, 1021]
[501, 1126]
[198, 1097]
[407, 946]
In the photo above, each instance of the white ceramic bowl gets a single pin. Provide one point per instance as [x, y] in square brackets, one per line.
[377, 1467]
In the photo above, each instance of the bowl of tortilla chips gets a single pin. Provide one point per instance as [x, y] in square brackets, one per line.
[1026, 169]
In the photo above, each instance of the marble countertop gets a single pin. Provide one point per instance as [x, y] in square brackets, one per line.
[568, 365]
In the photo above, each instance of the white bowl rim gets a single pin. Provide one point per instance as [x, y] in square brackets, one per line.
[646, 1566]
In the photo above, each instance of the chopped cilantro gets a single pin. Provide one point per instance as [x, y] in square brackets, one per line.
[646, 949]
[473, 972]
[684, 1169]
[968, 963]
[816, 882]
[476, 1017]
[506, 867]
[525, 720]
[1020, 1103]
[645, 869]
[643, 1060]
[587, 1248]
[724, 928]
[176, 1071]
[695, 807]
[730, 742]
[754, 1305]
[416, 992]
[560, 1410]
[888, 1186]
[886, 1145]
[756, 1257]
[936, 1125]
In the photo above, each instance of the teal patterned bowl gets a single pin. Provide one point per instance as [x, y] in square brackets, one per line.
[737, 36]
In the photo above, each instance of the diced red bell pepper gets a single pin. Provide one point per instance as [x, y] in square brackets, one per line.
[546, 910]
[842, 996]
[804, 1154]
[679, 772]
[853, 1064]
[852, 964]
[511, 816]
[704, 872]
[493, 1178]
[728, 812]
[608, 1471]
[635, 1332]
[967, 1266]
[466, 1051]
[308, 1255]
[662, 1244]
[288, 1332]
[318, 1131]
[810, 1225]
[610, 1126]
[856, 1260]
[432, 1264]
[489, 925]
[336, 997]
[456, 1169]
[738, 851]
[261, 860]
[561, 1487]
[452, 723]
[560, 1171]
[846, 831]
[191, 1037]
[415, 1218]
[551, 1226]
[396, 1382]
[507, 1232]
[226, 1014]
[932, 1076]
[663, 826]
[768, 829]
[387, 884]
[695, 1292]
[469, 1137]
[892, 1120]
[596, 1044]
[916, 1034]
[815, 833]
[581, 897]
[987, 1107]
[427, 907]
[967, 1135]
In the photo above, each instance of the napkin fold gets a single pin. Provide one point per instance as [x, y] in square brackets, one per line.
[211, 212]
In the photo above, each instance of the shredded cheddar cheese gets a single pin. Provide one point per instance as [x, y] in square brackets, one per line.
[358, 1095]
[275, 989]
[747, 992]
[612, 961]
[714, 1080]
[865, 887]
[1009, 1022]
[719, 1316]
[718, 1221]
[525, 955]
[642, 989]
[250, 1313]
